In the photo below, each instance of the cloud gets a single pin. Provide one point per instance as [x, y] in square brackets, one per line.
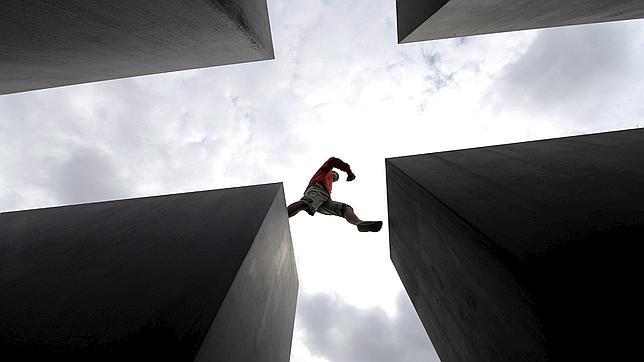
[141, 136]
[577, 77]
[340, 332]
[336, 87]
[87, 174]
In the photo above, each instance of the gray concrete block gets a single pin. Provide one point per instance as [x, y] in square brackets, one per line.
[56, 43]
[206, 276]
[420, 20]
[526, 251]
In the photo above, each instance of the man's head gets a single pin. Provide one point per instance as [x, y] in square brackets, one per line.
[336, 177]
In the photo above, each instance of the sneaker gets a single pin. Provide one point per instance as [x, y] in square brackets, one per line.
[370, 226]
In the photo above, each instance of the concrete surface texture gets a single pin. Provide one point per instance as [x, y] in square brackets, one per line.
[524, 251]
[196, 276]
[420, 20]
[52, 43]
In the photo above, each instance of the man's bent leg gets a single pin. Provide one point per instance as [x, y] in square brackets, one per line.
[296, 207]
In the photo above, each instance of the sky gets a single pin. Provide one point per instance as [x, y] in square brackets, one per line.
[340, 85]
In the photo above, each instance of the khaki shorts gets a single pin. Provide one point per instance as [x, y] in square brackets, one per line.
[317, 199]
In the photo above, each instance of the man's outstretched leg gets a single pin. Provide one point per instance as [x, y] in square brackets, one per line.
[350, 216]
[296, 207]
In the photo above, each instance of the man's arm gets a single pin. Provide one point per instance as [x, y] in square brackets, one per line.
[335, 162]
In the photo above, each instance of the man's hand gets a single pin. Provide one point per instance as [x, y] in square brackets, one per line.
[351, 176]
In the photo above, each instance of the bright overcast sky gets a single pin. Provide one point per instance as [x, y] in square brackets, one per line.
[339, 86]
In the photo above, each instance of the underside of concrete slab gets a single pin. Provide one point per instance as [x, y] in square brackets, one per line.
[525, 251]
[197, 276]
[56, 43]
[420, 20]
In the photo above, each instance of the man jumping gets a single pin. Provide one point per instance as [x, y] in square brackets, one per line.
[317, 196]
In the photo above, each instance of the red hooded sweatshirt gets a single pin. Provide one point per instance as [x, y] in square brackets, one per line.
[324, 177]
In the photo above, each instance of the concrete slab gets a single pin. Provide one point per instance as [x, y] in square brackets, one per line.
[420, 20]
[196, 276]
[525, 251]
[56, 43]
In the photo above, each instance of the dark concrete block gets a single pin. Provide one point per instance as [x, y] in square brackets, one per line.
[523, 252]
[420, 20]
[204, 276]
[55, 43]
